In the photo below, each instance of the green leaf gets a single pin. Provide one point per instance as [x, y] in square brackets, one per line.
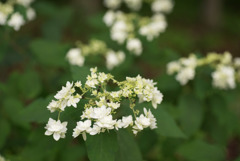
[49, 53]
[13, 108]
[238, 159]
[73, 153]
[201, 151]
[37, 111]
[166, 124]
[127, 147]
[5, 130]
[202, 85]
[102, 147]
[191, 114]
[80, 73]
[227, 120]
[29, 84]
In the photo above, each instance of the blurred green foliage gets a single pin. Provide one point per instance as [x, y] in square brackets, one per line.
[195, 122]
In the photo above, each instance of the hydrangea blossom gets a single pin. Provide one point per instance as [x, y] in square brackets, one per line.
[162, 6]
[11, 18]
[114, 59]
[124, 29]
[109, 17]
[56, 128]
[224, 77]
[112, 4]
[227, 69]
[75, 57]
[99, 113]
[184, 67]
[119, 31]
[3, 18]
[156, 26]
[135, 46]
[134, 4]
[64, 98]
[16, 21]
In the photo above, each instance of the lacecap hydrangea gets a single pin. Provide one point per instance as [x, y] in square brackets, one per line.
[11, 17]
[100, 114]
[226, 69]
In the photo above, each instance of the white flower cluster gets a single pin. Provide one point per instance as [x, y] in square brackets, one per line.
[14, 19]
[65, 98]
[125, 26]
[123, 29]
[76, 56]
[164, 6]
[99, 113]
[156, 26]
[224, 77]
[132, 4]
[114, 59]
[226, 69]
[56, 128]
[184, 67]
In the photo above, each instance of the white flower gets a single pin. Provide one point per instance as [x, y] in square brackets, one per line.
[92, 82]
[224, 77]
[113, 105]
[53, 106]
[134, 4]
[78, 84]
[119, 31]
[73, 100]
[112, 4]
[92, 79]
[141, 123]
[82, 128]
[56, 128]
[114, 59]
[118, 124]
[3, 18]
[154, 28]
[116, 94]
[102, 77]
[157, 98]
[162, 6]
[101, 102]
[185, 75]
[190, 62]
[237, 62]
[148, 114]
[31, 14]
[75, 57]
[173, 67]
[16, 21]
[95, 130]
[109, 18]
[106, 122]
[227, 58]
[134, 45]
[65, 92]
[100, 112]
[87, 113]
[25, 3]
[126, 121]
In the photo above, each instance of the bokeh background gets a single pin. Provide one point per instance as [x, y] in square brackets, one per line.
[33, 67]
